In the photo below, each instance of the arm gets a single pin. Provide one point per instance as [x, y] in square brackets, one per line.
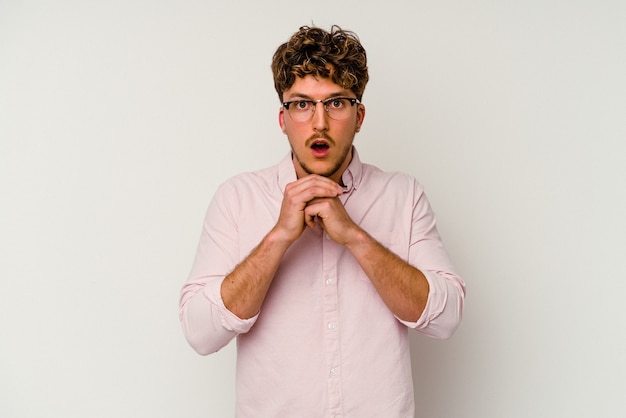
[245, 288]
[216, 305]
[420, 288]
[403, 288]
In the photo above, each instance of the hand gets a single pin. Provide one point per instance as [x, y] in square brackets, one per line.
[298, 195]
[333, 218]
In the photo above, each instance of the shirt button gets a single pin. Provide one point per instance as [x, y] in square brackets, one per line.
[331, 325]
[329, 282]
[327, 236]
[333, 371]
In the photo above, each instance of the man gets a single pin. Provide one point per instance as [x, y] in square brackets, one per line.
[319, 265]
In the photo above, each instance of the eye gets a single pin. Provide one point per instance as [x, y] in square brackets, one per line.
[336, 103]
[302, 105]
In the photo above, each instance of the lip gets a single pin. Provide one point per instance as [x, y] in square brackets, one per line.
[320, 148]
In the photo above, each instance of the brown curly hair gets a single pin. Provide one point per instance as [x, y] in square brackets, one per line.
[336, 55]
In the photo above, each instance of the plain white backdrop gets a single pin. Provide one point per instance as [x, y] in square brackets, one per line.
[118, 119]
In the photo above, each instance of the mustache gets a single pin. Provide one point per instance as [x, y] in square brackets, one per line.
[319, 135]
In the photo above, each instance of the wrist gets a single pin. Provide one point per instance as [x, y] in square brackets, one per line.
[278, 238]
[357, 239]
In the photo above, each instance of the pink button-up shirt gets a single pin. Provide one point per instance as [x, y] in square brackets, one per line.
[324, 344]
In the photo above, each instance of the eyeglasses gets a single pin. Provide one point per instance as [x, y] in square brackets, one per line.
[337, 108]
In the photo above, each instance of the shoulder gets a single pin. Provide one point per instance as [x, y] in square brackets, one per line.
[250, 183]
[396, 181]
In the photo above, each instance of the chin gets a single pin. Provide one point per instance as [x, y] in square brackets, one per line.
[324, 168]
[325, 171]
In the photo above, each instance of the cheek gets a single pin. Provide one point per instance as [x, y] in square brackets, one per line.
[352, 127]
[290, 131]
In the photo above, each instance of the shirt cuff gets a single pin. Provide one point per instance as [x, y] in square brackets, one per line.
[230, 321]
[437, 296]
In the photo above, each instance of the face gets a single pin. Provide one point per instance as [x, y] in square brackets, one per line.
[320, 145]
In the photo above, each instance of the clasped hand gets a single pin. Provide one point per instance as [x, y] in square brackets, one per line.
[314, 197]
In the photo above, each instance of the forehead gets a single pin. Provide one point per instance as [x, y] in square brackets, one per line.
[310, 87]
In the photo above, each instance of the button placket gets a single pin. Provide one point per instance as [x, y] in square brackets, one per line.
[330, 251]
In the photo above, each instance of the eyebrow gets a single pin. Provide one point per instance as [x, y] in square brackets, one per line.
[296, 96]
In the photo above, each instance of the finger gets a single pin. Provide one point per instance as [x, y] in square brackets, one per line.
[318, 185]
[320, 208]
[310, 220]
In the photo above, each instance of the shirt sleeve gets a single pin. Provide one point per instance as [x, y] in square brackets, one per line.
[207, 324]
[446, 297]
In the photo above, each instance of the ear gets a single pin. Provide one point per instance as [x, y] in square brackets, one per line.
[281, 119]
[360, 116]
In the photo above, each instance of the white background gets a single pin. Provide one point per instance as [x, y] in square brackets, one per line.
[118, 119]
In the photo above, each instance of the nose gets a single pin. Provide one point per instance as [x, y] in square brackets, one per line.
[320, 117]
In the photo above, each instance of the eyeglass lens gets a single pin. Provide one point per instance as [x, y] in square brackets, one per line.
[336, 108]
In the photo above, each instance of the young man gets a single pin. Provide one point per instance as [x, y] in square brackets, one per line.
[320, 265]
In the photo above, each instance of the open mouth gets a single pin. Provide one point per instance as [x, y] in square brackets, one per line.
[320, 148]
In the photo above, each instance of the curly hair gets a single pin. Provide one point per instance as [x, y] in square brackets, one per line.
[336, 55]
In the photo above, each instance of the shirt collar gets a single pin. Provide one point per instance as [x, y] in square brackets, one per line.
[351, 178]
